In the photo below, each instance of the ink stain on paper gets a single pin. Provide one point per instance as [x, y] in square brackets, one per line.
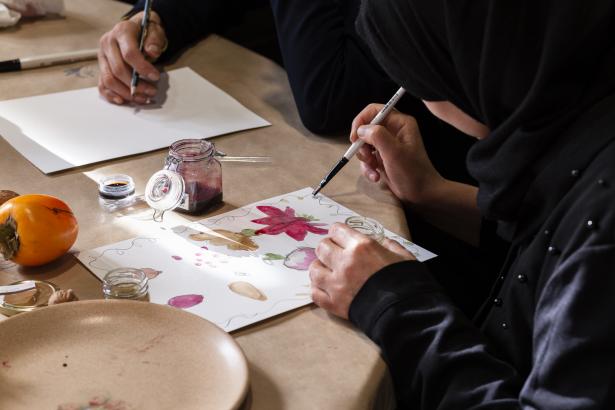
[185, 301]
[237, 241]
[247, 290]
[177, 258]
[285, 221]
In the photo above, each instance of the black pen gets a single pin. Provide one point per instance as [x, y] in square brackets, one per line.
[358, 143]
[142, 35]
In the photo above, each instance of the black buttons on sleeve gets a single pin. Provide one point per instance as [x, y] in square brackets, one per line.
[522, 278]
[575, 173]
[497, 302]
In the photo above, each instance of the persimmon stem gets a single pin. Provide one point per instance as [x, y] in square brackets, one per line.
[9, 239]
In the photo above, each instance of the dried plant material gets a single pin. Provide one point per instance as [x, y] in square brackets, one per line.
[248, 290]
[6, 195]
[62, 296]
[222, 237]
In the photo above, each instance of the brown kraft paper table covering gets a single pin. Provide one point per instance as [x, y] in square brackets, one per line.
[304, 359]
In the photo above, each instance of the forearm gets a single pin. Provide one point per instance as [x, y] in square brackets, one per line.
[451, 206]
[186, 21]
[425, 340]
[331, 72]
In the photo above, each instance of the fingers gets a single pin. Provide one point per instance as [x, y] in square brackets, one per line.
[364, 117]
[394, 121]
[370, 173]
[119, 54]
[396, 247]
[328, 252]
[127, 34]
[369, 162]
[321, 298]
[108, 85]
[155, 42]
[319, 275]
[345, 237]
[116, 64]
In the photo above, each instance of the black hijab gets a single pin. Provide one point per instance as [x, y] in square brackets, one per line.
[525, 68]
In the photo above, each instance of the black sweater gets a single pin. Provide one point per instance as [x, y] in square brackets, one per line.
[332, 74]
[546, 336]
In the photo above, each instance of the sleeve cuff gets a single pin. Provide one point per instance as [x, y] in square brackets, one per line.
[385, 288]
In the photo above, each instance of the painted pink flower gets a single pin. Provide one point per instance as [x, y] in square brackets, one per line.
[300, 258]
[279, 221]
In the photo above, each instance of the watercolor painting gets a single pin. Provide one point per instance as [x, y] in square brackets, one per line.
[237, 268]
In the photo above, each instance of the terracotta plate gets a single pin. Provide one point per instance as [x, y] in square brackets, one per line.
[118, 355]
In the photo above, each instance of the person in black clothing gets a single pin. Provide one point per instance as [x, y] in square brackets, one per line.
[332, 74]
[533, 80]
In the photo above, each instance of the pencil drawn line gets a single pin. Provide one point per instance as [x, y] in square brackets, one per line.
[118, 251]
[257, 314]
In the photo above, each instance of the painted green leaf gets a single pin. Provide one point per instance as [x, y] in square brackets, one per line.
[273, 257]
[248, 232]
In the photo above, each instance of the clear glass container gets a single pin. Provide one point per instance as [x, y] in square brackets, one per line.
[28, 300]
[116, 192]
[366, 226]
[125, 283]
[194, 160]
[190, 182]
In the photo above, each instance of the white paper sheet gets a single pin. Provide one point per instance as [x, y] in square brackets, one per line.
[252, 275]
[68, 129]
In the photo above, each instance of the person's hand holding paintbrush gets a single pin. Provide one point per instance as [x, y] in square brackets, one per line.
[119, 55]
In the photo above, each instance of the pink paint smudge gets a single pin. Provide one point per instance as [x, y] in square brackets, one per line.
[198, 264]
[151, 273]
[279, 221]
[185, 301]
[205, 247]
[198, 254]
[177, 258]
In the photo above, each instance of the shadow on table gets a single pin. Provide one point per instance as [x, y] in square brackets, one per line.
[50, 270]
[270, 396]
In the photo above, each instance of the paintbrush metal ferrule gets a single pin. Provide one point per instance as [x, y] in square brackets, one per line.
[330, 175]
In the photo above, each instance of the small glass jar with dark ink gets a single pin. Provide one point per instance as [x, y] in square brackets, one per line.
[195, 161]
[190, 182]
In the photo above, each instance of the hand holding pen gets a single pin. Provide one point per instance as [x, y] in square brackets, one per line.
[119, 55]
[358, 143]
[394, 153]
[142, 36]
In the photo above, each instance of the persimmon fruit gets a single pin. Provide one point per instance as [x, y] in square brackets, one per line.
[36, 229]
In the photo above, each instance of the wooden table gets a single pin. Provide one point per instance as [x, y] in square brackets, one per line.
[304, 359]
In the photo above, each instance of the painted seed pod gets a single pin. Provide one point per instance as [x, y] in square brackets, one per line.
[247, 290]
